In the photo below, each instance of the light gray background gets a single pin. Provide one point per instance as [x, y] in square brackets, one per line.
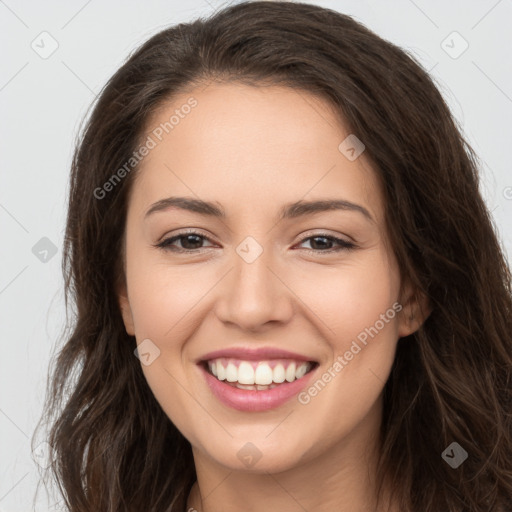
[42, 102]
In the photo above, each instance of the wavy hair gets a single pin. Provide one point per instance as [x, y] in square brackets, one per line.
[114, 448]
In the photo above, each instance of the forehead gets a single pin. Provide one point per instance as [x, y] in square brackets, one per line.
[250, 145]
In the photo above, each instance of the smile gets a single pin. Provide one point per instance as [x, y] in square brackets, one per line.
[258, 375]
[253, 386]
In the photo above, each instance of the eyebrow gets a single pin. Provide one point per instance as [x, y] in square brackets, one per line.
[288, 211]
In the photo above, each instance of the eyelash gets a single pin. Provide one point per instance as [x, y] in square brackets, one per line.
[166, 244]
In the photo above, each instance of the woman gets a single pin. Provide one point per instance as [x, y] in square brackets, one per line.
[217, 362]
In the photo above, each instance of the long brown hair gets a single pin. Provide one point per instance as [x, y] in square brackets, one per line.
[114, 448]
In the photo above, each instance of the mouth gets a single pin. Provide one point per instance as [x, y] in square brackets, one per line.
[257, 375]
[249, 385]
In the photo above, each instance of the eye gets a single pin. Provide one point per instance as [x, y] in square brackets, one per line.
[190, 242]
[320, 241]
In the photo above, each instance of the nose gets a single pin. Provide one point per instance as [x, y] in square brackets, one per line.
[254, 295]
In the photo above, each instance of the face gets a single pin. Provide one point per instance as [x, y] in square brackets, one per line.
[279, 288]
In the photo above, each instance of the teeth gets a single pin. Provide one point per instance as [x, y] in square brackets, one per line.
[256, 387]
[231, 373]
[263, 374]
[244, 386]
[221, 372]
[245, 376]
[290, 372]
[300, 371]
[279, 374]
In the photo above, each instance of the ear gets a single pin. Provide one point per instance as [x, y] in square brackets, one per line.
[415, 310]
[126, 310]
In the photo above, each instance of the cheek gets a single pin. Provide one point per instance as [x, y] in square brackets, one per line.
[350, 298]
[358, 308]
[163, 301]
[162, 298]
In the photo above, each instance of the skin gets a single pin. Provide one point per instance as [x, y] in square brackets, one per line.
[251, 150]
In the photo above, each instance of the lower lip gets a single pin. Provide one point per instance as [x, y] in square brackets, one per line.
[253, 400]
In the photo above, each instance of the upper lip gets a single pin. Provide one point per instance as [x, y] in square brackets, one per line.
[254, 354]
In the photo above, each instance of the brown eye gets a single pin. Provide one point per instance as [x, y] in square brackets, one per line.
[190, 242]
[323, 243]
